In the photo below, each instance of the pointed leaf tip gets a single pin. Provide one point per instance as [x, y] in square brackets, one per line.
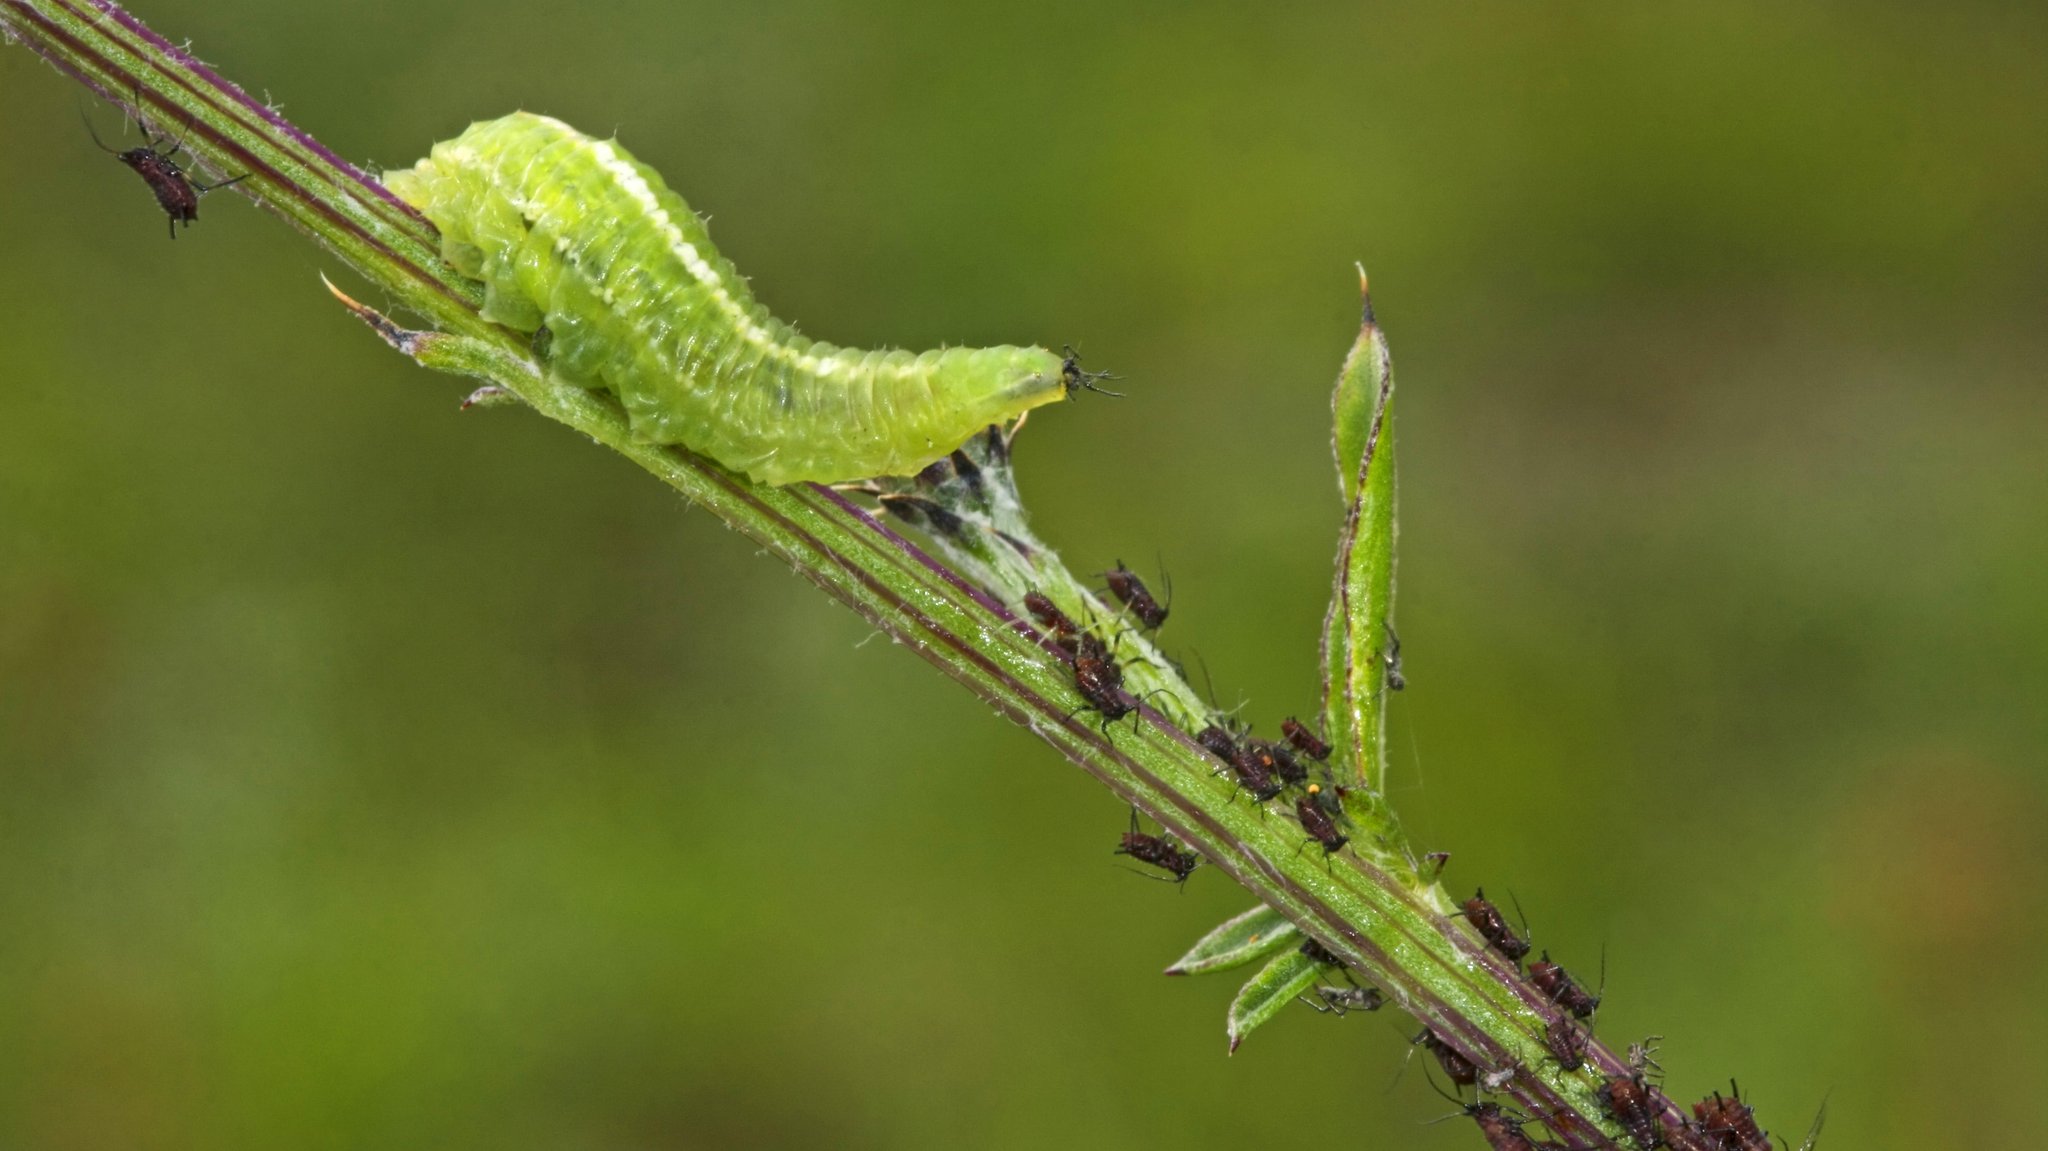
[1364, 297]
[1274, 987]
[1243, 938]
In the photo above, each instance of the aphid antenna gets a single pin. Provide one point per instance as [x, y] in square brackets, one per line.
[1180, 883]
[1143, 700]
[1458, 1101]
[151, 139]
[86, 119]
[1522, 917]
[1429, 1075]
[1402, 1068]
[1819, 1117]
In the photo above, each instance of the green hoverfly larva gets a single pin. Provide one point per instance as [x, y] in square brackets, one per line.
[573, 235]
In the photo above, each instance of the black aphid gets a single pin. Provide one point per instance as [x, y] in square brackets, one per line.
[177, 193]
[1304, 740]
[1125, 585]
[1159, 851]
[1557, 985]
[1486, 919]
[1317, 820]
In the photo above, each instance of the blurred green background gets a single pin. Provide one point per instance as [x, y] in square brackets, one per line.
[373, 775]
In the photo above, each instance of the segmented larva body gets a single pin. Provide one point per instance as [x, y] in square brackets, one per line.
[575, 235]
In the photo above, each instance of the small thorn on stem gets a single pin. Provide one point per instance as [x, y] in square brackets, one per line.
[404, 339]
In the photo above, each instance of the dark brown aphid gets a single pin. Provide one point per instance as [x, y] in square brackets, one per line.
[1254, 773]
[1279, 761]
[1502, 1132]
[1125, 585]
[1345, 1000]
[1461, 1070]
[1100, 681]
[1064, 634]
[176, 193]
[1730, 1122]
[1305, 741]
[1319, 953]
[1217, 742]
[1627, 1099]
[1557, 985]
[1318, 822]
[1159, 851]
[1566, 1042]
[1486, 919]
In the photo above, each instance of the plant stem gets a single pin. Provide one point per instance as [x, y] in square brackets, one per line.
[1372, 909]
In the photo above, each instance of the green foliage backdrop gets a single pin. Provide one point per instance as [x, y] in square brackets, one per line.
[374, 775]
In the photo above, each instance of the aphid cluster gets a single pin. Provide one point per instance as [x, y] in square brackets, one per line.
[1261, 768]
[1292, 769]
[1718, 1124]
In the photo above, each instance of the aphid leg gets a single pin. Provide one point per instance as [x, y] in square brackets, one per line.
[1073, 377]
[205, 188]
[1813, 1132]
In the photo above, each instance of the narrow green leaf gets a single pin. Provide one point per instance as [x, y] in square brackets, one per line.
[1356, 634]
[1358, 394]
[1274, 987]
[1239, 940]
